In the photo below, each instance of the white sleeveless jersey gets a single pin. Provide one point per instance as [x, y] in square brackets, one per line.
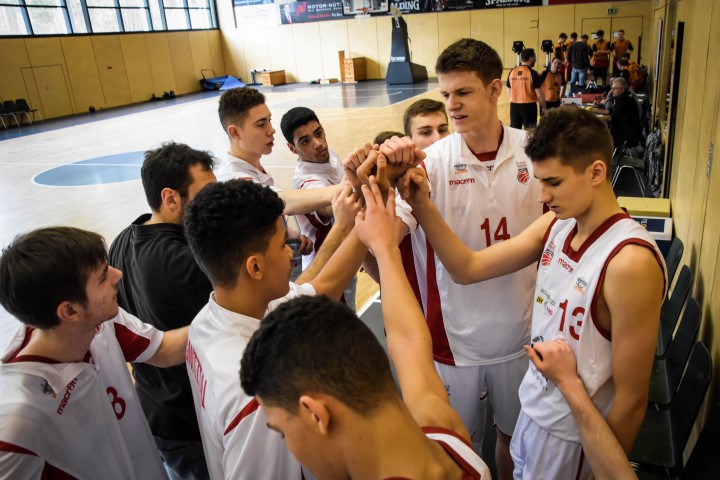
[316, 175]
[568, 285]
[488, 322]
[236, 440]
[78, 420]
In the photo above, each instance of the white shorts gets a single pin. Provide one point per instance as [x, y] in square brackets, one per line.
[465, 387]
[539, 454]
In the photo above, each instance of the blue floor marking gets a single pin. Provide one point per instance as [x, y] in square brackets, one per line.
[121, 167]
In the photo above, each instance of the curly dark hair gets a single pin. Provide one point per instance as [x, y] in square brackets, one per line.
[315, 344]
[228, 221]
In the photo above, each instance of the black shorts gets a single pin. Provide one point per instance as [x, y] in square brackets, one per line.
[523, 115]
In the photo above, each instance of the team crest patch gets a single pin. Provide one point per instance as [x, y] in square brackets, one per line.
[523, 174]
[547, 255]
[47, 389]
[460, 168]
[581, 284]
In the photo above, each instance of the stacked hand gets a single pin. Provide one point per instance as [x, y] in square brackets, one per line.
[345, 205]
[376, 226]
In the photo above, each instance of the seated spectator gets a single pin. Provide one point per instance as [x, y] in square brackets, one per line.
[623, 115]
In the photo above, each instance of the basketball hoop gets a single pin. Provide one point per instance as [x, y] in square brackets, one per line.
[362, 14]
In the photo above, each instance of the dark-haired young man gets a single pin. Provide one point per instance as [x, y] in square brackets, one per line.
[601, 57]
[237, 234]
[552, 83]
[619, 48]
[523, 85]
[344, 418]
[600, 285]
[483, 184]
[164, 286]
[67, 401]
[317, 167]
[579, 58]
[245, 118]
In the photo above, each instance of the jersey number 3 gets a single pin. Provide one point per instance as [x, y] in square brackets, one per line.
[117, 402]
[501, 231]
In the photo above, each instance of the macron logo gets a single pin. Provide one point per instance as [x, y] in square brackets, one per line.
[461, 181]
[66, 397]
[565, 265]
[196, 368]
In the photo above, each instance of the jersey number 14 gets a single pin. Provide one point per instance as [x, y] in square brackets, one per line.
[501, 231]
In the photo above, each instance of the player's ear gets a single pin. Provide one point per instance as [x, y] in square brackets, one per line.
[253, 267]
[315, 412]
[292, 148]
[598, 172]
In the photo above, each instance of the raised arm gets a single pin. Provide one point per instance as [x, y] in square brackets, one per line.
[633, 292]
[556, 361]
[408, 337]
[464, 265]
[346, 205]
[300, 202]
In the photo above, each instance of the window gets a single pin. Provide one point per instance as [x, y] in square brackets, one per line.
[58, 17]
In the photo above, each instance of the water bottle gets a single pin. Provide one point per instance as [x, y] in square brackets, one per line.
[293, 241]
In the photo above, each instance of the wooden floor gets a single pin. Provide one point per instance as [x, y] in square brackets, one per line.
[351, 116]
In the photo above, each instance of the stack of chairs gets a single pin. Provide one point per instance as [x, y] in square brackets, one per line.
[680, 378]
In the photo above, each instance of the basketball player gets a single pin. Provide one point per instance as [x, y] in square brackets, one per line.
[600, 285]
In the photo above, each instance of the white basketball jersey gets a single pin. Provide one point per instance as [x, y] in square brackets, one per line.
[232, 167]
[79, 419]
[236, 440]
[488, 322]
[569, 283]
[473, 466]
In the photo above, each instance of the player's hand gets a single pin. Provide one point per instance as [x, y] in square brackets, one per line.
[306, 245]
[376, 226]
[401, 151]
[353, 161]
[414, 187]
[346, 204]
[554, 359]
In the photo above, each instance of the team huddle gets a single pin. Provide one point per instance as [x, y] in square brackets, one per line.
[508, 272]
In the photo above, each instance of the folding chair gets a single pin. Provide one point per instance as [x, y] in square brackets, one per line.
[24, 107]
[672, 259]
[664, 433]
[9, 115]
[671, 309]
[668, 370]
[637, 165]
[10, 107]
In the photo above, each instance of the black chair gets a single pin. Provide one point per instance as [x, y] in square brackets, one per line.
[668, 370]
[10, 107]
[24, 107]
[672, 260]
[672, 308]
[9, 115]
[637, 165]
[664, 433]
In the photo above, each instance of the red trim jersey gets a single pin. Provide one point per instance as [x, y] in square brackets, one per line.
[569, 283]
[488, 322]
[236, 440]
[316, 175]
[473, 467]
[78, 420]
[233, 167]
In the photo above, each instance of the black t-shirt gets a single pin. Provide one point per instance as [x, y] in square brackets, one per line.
[163, 286]
[579, 55]
[625, 122]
